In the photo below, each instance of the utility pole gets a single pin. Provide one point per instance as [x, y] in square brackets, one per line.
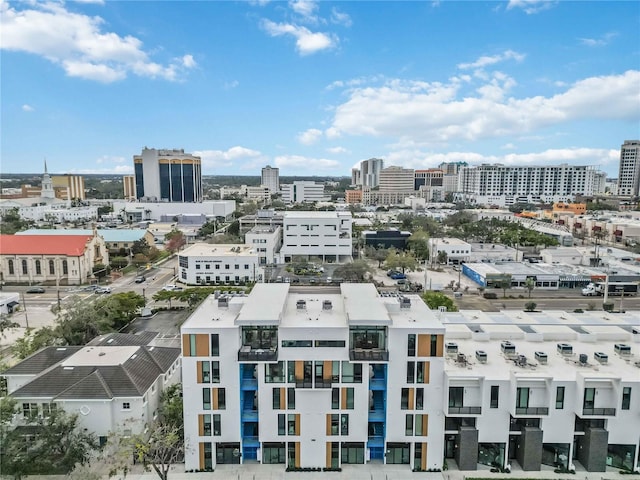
[24, 304]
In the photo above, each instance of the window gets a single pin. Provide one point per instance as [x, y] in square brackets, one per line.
[350, 397]
[275, 398]
[282, 424]
[273, 453]
[291, 398]
[559, 398]
[398, 453]
[215, 345]
[208, 456]
[335, 398]
[217, 419]
[456, 397]
[330, 343]
[11, 269]
[246, 267]
[221, 398]
[24, 267]
[352, 453]
[292, 424]
[38, 268]
[351, 372]
[411, 372]
[206, 425]
[419, 398]
[626, 398]
[421, 425]
[206, 398]
[274, 373]
[589, 398]
[334, 425]
[344, 424]
[434, 345]
[408, 424]
[29, 410]
[226, 266]
[206, 372]
[411, 345]
[215, 372]
[495, 391]
[422, 372]
[126, 406]
[404, 399]
[297, 343]
[65, 267]
[48, 409]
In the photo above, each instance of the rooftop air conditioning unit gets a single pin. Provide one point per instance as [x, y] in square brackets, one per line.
[481, 356]
[601, 357]
[301, 305]
[451, 347]
[564, 349]
[405, 302]
[583, 358]
[223, 301]
[541, 358]
[507, 347]
[622, 349]
[327, 305]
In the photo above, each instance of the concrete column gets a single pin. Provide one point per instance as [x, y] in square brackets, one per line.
[467, 451]
[529, 453]
[592, 449]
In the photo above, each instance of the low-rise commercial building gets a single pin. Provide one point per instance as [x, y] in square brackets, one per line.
[386, 238]
[267, 241]
[114, 239]
[303, 192]
[211, 263]
[457, 251]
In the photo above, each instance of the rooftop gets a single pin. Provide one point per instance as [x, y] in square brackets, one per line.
[54, 244]
[109, 235]
[314, 214]
[217, 249]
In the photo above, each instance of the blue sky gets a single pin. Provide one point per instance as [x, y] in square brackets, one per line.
[315, 87]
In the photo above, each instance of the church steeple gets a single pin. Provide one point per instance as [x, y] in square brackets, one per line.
[47, 184]
[45, 167]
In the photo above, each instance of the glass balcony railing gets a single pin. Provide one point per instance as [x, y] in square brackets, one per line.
[465, 410]
[608, 412]
[248, 354]
[375, 355]
[532, 411]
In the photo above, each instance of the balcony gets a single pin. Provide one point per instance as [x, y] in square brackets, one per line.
[532, 411]
[376, 416]
[248, 354]
[302, 383]
[323, 383]
[373, 355]
[250, 441]
[249, 415]
[602, 412]
[377, 383]
[465, 410]
[375, 441]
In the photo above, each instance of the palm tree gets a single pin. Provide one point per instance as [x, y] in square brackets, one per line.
[529, 284]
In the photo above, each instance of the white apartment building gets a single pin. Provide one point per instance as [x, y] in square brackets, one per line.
[113, 384]
[266, 240]
[316, 234]
[345, 376]
[140, 211]
[397, 179]
[303, 192]
[210, 263]
[457, 250]
[368, 175]
[167, 176]
[271, 178]
[629, 173]
[350, 376]
[502, 185]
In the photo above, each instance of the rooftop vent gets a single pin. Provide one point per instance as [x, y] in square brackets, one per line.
[583, 358]
[564, 349]
[461, 359]
[541, 358]
[481, 356]
[622, 349]
[507, 347]
[521, 361]
[327, 305]
[451, 347]
[404, 302]
[601, 357]
[301, 305]
[223, 301]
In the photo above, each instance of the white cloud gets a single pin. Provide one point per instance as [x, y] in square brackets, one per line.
[531, 6]
[97, 2]
[299, 161]
[431, 113]
[117, 170]
[337, 150]
[27, 108]
[307, 42]
[226, 158]
[486, 60]
[259, 3]
[309, 137]
[508, 146]
[340, 18]
[305, 8]
[574, 156]
[110, 159]
[599, 42]
[354, 82]
[78, 43]
[231, 85]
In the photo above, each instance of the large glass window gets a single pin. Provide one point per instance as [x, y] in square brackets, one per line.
[274, 373]
[208, 455]
[411, 345]
[24, 267]
[589, 398]
[367, 337]
[350, 398]
[419, 398]
[282, 422]
[273, 453]
[621, 456]
[275, 398]
[38, 268]
[52, 269]
[335, 398]
[206, 398]
[291, 398]
[559, 398]
[215, 345]
[408, 424]
[258, 337]
[404, 399]
[421, 424]
[495, 391]
[352, 453]
[398, 453]
[206, 425]
[215, 372]
[65, 267]
[344, 424]
[456, 397]
[411, 372]
[11, 269]
[626, 398]
[351, 372]
[522, 397]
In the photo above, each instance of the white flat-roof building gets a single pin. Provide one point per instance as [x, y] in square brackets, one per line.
[210, 263]
[303, 192]
[316, 234]
[313, 379]
[140, 211]
[267, 241]
[325, 378]
[457, 250]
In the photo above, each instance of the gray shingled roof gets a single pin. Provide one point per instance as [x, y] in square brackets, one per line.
[41, 360]
[134, 377]
[129, 339]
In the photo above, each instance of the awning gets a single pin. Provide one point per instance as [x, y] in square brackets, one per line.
[12, 304]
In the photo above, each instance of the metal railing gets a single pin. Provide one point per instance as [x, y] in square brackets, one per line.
[257, 355]
[609, 412]
[368, 355]
[465, 410]
[532, 411]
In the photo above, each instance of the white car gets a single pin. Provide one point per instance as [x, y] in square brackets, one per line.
[103, 290]
[172, 288]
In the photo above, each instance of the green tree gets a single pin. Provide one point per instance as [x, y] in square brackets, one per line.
[57, 446]
[118, 262]
[434, 300]
[160, 448]
[34, 340]
[530, 306]
[170, 408]
[140, 246]
[377, 254]
[529, 284]
[505, 284]
[100, 271]
[401, 260]
[352, 272]
[234, 228]
[419, 244]
[175, 240]
[442, 257]
[8, 407]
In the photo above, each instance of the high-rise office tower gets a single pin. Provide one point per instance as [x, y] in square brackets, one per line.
[396, 179]
[370, 172]
[271, 178]
[168, 175]
[129, 186]
[629, 173]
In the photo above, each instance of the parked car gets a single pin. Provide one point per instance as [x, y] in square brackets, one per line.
[103, 290]
[172, 288]
[35, 290]
[140, 279]
[398, 276]
[490, 295]
[90, 288]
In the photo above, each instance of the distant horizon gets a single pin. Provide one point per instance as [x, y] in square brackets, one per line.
[316, 87]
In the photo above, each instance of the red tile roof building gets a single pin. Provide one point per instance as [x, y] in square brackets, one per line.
[67, 259]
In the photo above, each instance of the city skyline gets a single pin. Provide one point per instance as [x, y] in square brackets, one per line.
[313, 88]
